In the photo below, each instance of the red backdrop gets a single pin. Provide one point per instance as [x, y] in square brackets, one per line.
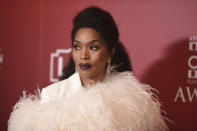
[155, 33]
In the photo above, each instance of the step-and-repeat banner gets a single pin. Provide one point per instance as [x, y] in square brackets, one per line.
[160, 37]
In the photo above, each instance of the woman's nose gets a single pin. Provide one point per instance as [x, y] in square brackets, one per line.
[84, 54]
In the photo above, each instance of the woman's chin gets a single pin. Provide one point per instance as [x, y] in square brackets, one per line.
[85, 74]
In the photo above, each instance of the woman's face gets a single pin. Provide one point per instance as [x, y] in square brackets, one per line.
[90, 54]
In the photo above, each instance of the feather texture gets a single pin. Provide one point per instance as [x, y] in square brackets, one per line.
[119, 103]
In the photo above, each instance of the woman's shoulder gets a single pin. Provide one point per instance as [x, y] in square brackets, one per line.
[59, 89]
[60, 84]
[128, 82]
[122, 76]
[52, 90]
[55, 86]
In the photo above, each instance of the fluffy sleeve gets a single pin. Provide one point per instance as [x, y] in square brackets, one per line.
[31, 111]
[119, 103]
[23, 116]
[134, 105]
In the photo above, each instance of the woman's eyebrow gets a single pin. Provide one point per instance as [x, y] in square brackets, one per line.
[92, 41]
[77, 41]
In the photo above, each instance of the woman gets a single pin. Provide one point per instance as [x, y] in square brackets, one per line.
[99, 91]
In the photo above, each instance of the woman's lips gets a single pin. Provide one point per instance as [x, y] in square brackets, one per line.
[84, 66]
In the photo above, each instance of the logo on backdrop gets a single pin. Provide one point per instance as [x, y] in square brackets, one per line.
[191, 74]
[56, 63]
[1, 58]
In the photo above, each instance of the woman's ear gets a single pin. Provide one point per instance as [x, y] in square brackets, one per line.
[112, 54]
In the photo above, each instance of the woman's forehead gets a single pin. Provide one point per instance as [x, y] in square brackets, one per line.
[87, 35]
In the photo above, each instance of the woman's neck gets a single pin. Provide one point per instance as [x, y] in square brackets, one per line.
[88, 81]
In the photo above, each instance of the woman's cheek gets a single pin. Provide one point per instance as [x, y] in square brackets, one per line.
[75, 56]
[97, 59]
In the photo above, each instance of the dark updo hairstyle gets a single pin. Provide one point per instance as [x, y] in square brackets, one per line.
[101, 21]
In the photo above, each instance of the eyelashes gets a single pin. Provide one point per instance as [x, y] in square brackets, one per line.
[76, 47]
[95, 48]
[92, 47]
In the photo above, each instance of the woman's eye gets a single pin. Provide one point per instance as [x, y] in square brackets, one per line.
[94, 48]
[76, 47]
